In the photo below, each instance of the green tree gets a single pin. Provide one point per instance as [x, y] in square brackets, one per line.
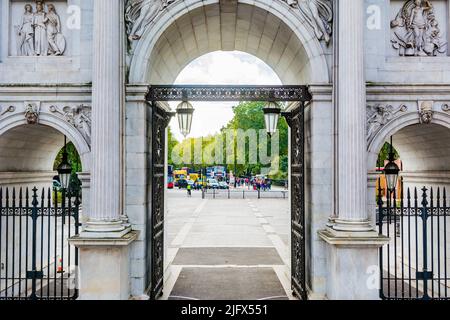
[247, 115]
[384, 155]
[73, 157]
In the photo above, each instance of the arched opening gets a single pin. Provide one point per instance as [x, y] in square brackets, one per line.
[270, 33]
[27, 156]
[415, 214]
[37, 215]
[222, 235]
[424, 151]
[281, 40]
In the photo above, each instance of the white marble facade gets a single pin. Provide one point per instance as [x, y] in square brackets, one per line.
[401, 88]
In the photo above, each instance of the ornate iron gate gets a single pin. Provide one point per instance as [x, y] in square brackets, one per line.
[295, 120]
[160, 120]
[416, 262]
[36, 260]
[155, 220]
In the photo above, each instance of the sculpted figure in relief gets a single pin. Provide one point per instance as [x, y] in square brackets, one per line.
[25, 33]
[318, 14]
[39, 33]
[140, 13]
[416, 30]
[56, 43]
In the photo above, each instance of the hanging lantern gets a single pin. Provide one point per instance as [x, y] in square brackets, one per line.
[65, 169]
[272, 114]
[185, 112]
[391, 171]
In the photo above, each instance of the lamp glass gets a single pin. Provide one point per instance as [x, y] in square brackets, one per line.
[64, 173]
[391, 172]
[185, 113]
[271, 116]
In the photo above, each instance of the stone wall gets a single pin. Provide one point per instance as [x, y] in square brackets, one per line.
[385, 64]
[71, 65]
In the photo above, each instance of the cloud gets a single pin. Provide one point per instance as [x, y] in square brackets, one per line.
[221, 68]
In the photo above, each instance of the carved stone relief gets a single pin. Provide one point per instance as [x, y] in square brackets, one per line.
[38, 32]
[6, 110]
[417, 31]
[426, 111]
[379, 115]
[76, 115]
[32, 111]
[79, 116]
[140, 13]
[318, 14]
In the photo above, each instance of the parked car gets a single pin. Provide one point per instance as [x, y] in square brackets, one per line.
[213, 184]
[223, 185]
[170, 185]
[182, 184]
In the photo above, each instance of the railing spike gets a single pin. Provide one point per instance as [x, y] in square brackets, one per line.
[444, 196]
[438, 197]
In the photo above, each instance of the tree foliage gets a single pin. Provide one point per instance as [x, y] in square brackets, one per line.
[384, 155]
[73, 157]
[247, 115]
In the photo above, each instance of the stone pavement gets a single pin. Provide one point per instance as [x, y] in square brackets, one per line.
[227, 249]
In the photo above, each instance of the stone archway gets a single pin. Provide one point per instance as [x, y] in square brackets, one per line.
[269, 30]
[422, 148]
[28, 151]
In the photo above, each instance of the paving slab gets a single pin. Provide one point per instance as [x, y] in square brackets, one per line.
[228, 256]
[228, 284]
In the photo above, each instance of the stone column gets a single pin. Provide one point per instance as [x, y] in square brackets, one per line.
[352, 241]
[351, 99]
[104, 244]
[105, 214]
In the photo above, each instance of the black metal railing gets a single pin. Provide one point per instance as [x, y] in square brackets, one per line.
[36, 261]
[244, 194]
[415, 265]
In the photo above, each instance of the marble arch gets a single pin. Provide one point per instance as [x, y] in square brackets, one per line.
[183, 32]
[51, 124]
[394, 127]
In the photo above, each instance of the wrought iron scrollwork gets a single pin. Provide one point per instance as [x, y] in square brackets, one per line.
[160, 121]
[229, 93]
[295, 120]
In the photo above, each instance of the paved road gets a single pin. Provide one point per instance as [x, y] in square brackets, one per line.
[227, 249]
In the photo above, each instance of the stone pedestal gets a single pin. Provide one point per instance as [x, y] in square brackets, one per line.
[104, 267]
[353, 266]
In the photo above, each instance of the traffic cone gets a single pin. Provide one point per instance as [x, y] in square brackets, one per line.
[60, 267]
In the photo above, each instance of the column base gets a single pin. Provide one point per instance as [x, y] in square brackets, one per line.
[352, 226]
[104, 267]
[353, 266]
[105, 229]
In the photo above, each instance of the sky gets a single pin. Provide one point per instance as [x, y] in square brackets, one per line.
[220, 68]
